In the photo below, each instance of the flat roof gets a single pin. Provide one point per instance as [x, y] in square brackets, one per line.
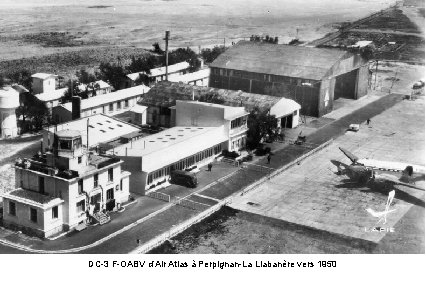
[32, 198]
[171, 68]
[165, 139]
[182, 141]
[43, 76]
[279, 59]
[230, 112]
[51, 96]
[160, 70]
[110, 97]
[102, 128]
[190, 77]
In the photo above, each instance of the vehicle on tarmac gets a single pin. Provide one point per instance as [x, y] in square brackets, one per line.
[183, 178]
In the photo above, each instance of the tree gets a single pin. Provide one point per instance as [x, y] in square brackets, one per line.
[35, 110]
[260, 125]
[73, 90]
[184, 54]
[114, 74]
[2, 81]
[157, 49]
[84, 77]
[209, 55]
[143, 64]
[23, 78]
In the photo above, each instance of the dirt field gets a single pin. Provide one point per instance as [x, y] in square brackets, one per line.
[59, 36]
[397, 34]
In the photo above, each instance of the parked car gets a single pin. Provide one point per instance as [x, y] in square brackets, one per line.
[183, 178]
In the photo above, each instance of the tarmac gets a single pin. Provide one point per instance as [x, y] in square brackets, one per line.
[312, 195]
[150, 217]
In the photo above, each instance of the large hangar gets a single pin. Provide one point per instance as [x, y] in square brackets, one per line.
[313, 77]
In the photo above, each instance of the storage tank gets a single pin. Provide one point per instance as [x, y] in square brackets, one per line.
[9, 102]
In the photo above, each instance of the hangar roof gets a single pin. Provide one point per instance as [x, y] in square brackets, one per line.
[279, 59]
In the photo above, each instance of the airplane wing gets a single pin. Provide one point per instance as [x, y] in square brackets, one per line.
[395, 181]
[348, 154]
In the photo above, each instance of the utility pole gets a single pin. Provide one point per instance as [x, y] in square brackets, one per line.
[167, 54]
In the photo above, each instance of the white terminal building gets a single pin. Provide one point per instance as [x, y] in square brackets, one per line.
[9, 102]
[202, 131]
[64, 188]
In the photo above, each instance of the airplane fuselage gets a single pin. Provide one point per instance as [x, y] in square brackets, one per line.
[387, 166]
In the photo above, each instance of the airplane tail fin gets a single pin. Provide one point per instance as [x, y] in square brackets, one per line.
[348, 154]
[341, 167]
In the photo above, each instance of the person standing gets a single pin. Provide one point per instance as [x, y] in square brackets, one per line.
[368, 121]
[269, 158]
[209, 167]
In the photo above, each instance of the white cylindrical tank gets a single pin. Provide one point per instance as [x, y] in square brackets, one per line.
[9, 102]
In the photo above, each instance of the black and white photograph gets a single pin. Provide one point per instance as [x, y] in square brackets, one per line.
[208, 128]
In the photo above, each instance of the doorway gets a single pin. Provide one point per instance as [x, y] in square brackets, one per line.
[287, 121]
[346, 85]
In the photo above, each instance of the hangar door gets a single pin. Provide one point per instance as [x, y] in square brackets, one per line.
[345, 86]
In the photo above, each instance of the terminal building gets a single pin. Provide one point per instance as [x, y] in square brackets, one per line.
[162, 97]
[313, 77]
[64, 188]
[202, 131]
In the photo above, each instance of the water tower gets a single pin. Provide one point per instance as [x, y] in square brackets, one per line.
[9, 102]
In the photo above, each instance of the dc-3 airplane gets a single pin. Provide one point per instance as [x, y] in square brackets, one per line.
[368, 170]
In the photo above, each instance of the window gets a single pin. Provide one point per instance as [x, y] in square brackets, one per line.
[111, 107]
[79, 160]
[55, 212]
[33, 215]
[95, 180]
[65, 144]
[81, 206]
[118, 105]
[126, 103]
[12, 208]
[80, 186]
[110, 194]
[110, 174]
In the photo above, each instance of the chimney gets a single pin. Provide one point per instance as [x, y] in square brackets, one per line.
[76, 107]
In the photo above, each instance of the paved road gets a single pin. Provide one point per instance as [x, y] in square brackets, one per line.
[125, 242]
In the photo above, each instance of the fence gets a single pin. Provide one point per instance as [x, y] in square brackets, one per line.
[178, 201]
[178, 229]
[159, 195]
[231, 161]
[191, 204]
